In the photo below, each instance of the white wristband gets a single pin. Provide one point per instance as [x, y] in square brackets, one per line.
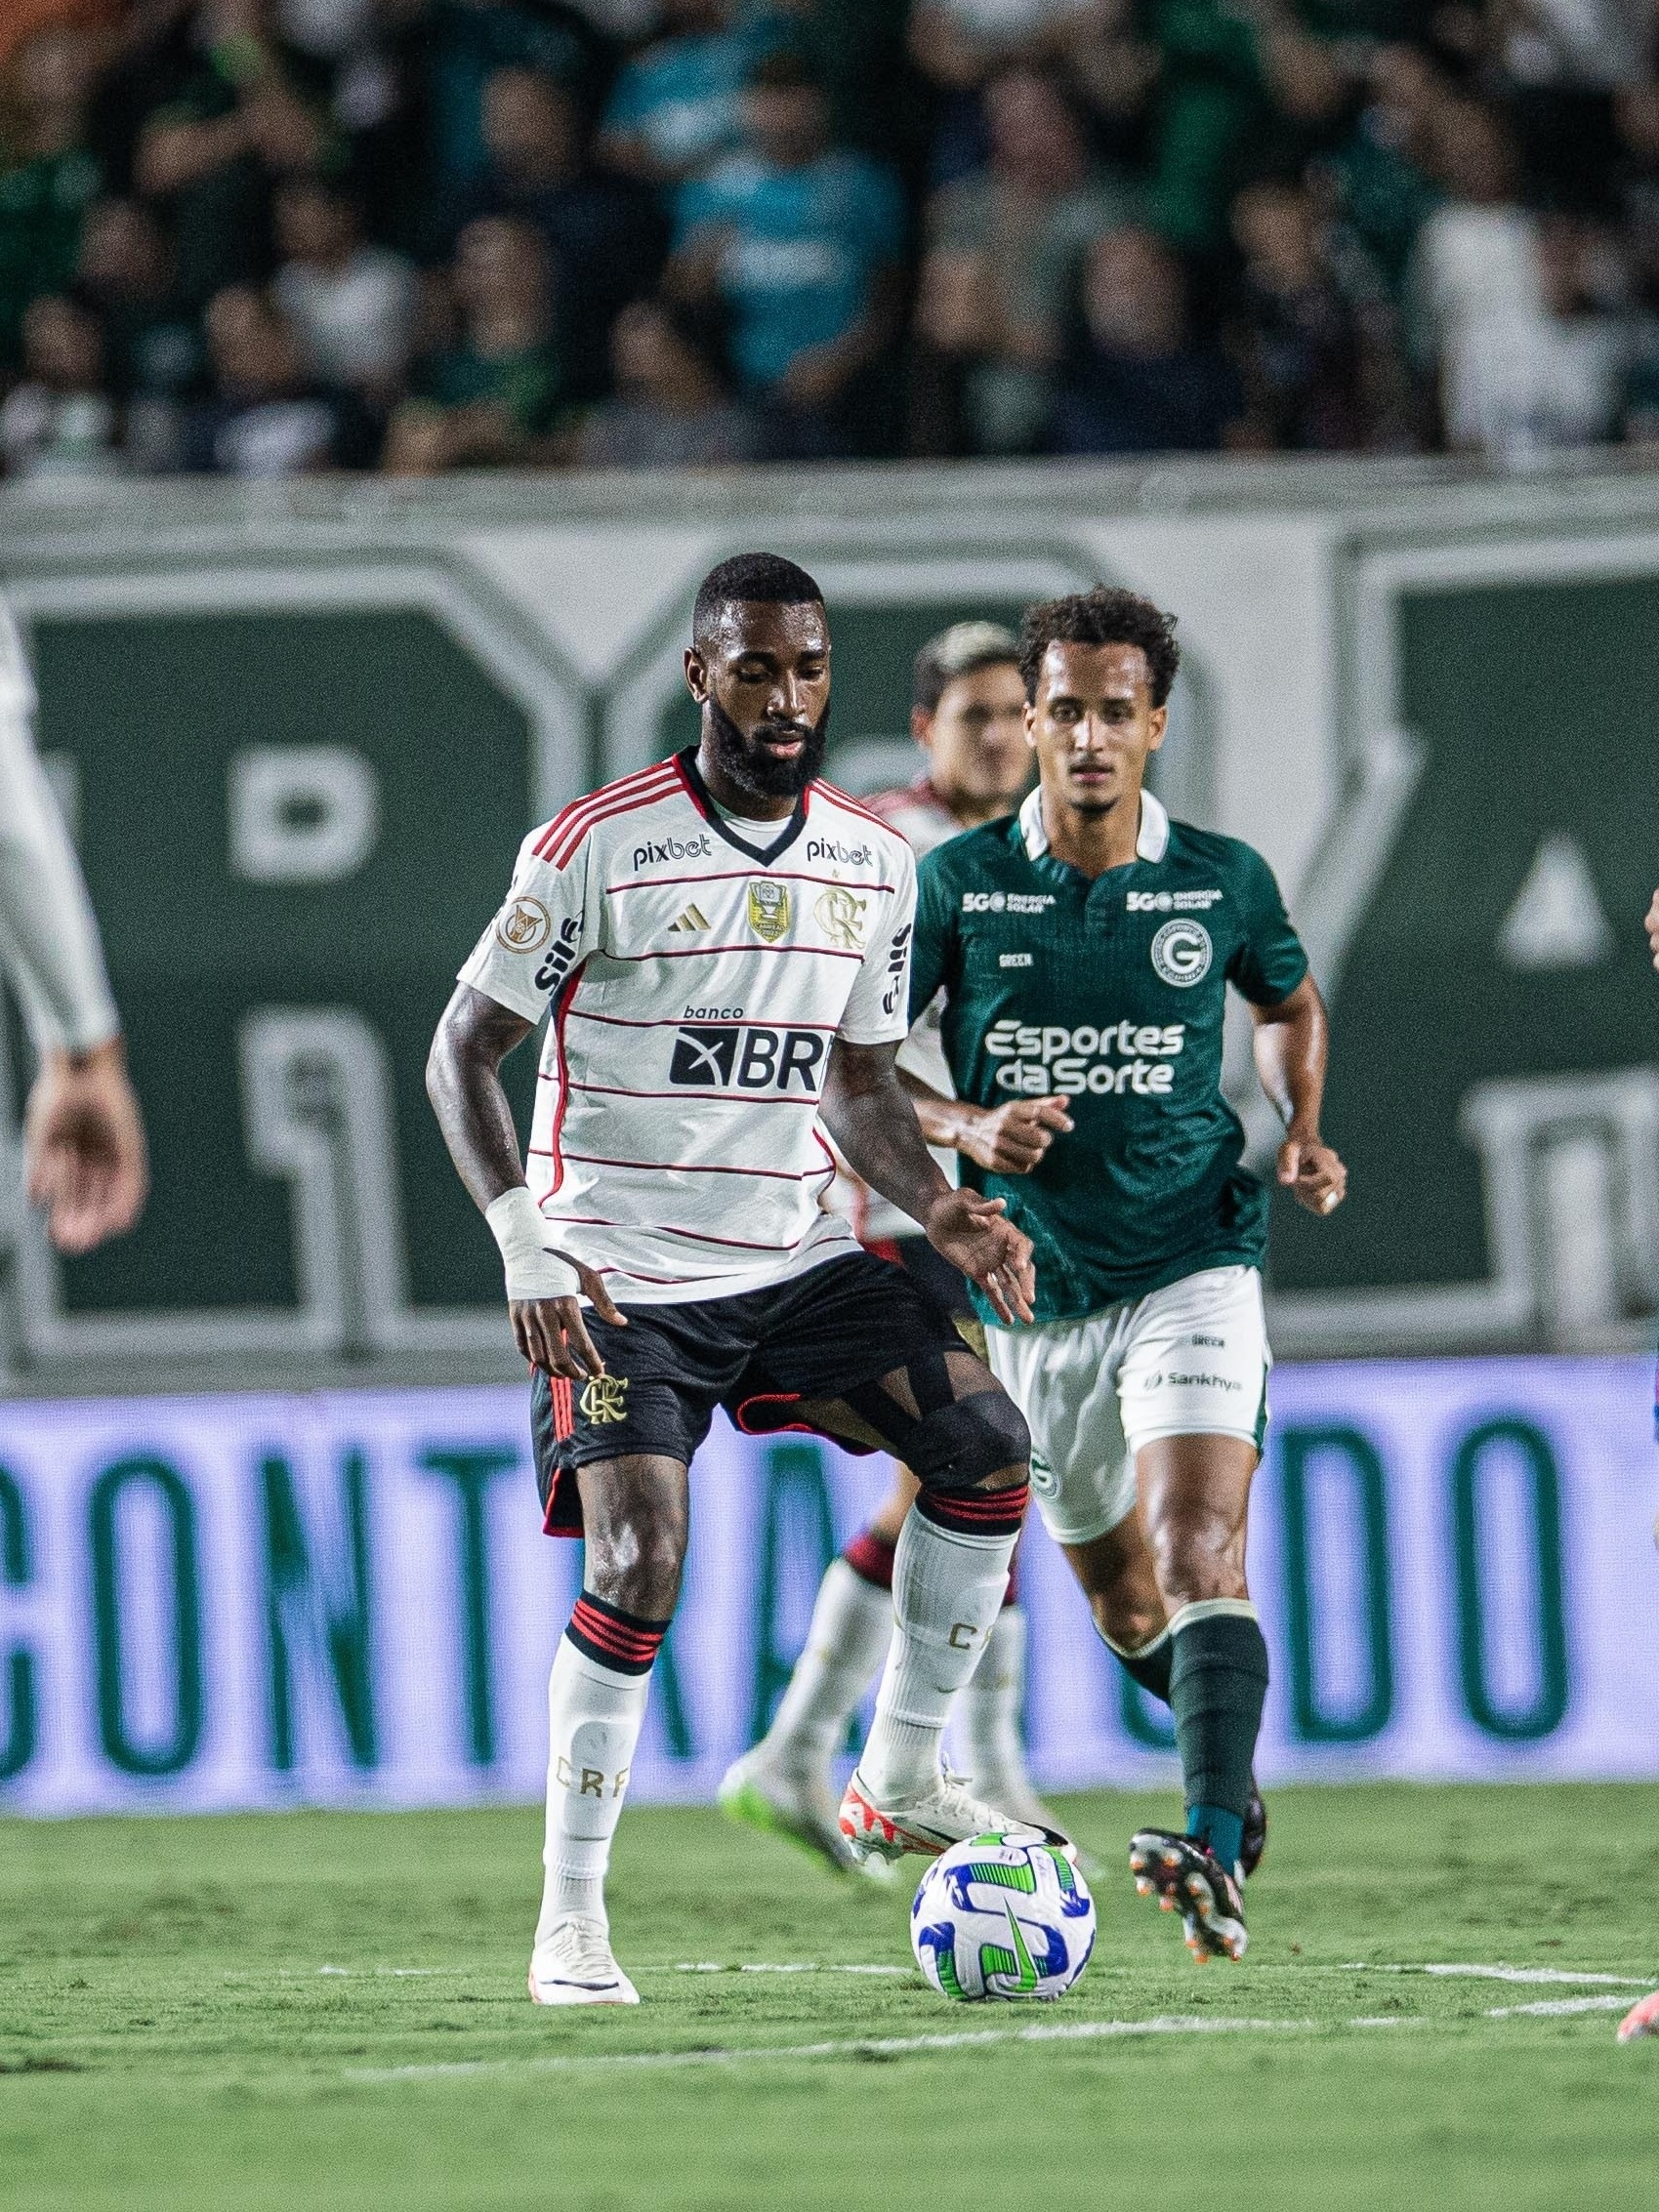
[532, 1271]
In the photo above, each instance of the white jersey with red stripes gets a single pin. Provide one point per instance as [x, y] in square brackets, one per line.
[694, 982]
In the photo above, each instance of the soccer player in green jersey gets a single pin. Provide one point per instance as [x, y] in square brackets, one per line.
[1084, 946]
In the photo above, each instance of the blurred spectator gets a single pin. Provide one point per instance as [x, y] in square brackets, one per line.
[353, 305]
[465, 42]
[1002, 252]
[672, 408]
[23, 18]
[220, 112]
[59, 421]
[677, 107]
[495, 393]
[1139, 380]
[154, 353]
[1239, 89]
[49, 179]
[1316, 334]
[1380, 179]
[1512, 312]
[802, 239]
[606, 235]
[268, 415]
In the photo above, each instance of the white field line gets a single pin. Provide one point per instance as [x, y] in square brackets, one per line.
[1470, 1973]
[863, 2047]
[760, 1966]
[1552, 2008]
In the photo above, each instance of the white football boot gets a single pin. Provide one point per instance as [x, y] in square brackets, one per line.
[929, 1823]
[796, 1804]
[573, 1965]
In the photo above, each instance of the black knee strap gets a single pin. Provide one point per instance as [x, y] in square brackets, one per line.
[950, 1442]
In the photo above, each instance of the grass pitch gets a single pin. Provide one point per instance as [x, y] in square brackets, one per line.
[329, 2011]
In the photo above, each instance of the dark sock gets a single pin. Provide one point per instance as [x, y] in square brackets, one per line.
[1218, 1682]
[1150, 1665]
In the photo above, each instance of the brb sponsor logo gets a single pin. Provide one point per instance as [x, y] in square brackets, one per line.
[744, 1056]
[842, 855]
[1039, 1061]
[656, 855]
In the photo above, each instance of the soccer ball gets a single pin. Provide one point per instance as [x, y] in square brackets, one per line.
[1002, 1915]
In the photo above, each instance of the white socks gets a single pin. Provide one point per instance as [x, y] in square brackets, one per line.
[947, 1591]
[850, 1631]
[988, 1716]
[593, 1720]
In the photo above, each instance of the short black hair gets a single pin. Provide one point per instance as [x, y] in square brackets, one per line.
[1107, 615]
[958, 651]
[767, 578]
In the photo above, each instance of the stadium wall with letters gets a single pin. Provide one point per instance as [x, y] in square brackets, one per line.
[301, 729]
[254, 1601]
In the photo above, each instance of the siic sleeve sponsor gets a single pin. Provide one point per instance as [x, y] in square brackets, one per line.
[1122, 1056]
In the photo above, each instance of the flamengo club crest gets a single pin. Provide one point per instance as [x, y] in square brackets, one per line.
[841, 913]
[769, 908]
[604, 1400]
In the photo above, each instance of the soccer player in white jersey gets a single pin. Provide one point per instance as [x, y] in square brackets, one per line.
[968, 713]
[723, 944]
[84, 1160]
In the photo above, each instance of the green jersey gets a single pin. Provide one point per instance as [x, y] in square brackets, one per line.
[1112, 990]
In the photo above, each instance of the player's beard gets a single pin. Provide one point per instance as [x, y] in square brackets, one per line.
[755, 773]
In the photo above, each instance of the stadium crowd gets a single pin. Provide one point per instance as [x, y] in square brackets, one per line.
[258, 237]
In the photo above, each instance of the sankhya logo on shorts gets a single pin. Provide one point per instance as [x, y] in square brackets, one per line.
[1181, 953]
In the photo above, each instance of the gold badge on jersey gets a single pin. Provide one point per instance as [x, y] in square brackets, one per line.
[842, 915]
[769, 909]
[524, 927]
[604, 1399]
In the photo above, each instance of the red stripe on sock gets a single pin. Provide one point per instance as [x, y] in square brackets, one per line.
[870, 1558]
[980, 1512]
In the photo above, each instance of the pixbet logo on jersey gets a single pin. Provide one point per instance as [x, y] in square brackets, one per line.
[656, 855]
[1038, 1061]
[745, 1057]
[843, 856]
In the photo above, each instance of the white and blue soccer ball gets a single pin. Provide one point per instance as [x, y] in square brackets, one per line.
[1004, 1914]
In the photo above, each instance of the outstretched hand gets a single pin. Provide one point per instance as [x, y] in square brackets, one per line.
[1312, 1173]
[972, 1233]
[1010, 1139]
[552, 1334]
[1652, 926]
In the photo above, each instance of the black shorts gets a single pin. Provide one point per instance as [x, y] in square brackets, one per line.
[945, 1284]
[759, 1355]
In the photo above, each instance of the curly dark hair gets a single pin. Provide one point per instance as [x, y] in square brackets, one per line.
[1105, 616]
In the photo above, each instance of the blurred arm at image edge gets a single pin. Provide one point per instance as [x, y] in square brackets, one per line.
[84, 1154]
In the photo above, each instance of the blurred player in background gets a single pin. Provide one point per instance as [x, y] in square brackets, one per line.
[84, 1160]
[725, 941]
[1085, 948]
[968, 714]
[1643, 2018]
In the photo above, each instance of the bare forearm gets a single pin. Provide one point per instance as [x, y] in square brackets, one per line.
[944, 1121]
[1292, 1046]
[872, 1120]
[464, 1085]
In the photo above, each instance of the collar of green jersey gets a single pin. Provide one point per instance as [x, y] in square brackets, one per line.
[1151, 842]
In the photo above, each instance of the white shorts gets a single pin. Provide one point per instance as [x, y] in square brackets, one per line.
[1188, 1360]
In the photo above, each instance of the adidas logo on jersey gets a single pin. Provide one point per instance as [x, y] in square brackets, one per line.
[689, 923]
